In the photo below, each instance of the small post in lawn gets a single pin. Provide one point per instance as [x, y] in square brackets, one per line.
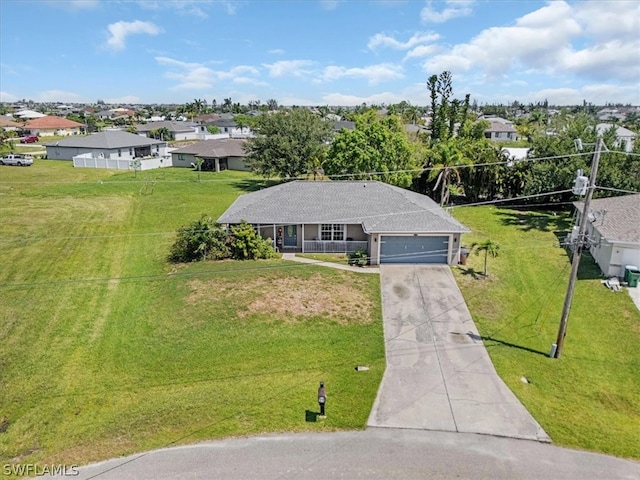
[580, 244]
[322, 399]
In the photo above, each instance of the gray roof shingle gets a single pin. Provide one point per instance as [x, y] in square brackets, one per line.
[621, 223]
[216, 148]
[108, 139]
[174, 127]
[379, 207]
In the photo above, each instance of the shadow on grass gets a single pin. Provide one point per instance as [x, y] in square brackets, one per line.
[544, 221]
[502, 343]
[470, 272]
[310, 416]
[253, 184]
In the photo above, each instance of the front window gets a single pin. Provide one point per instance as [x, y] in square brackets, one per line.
[331, 231]
[119, 152]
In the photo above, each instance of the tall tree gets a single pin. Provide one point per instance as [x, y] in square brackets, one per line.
[288, 144]
[446, 157]
[489, 247]
[377, 149]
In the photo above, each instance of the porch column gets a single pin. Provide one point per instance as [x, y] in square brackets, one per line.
[217, 162]
[274, 236]
[302, 238]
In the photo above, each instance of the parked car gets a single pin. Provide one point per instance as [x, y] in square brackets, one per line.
[19, 160]
[29, 139]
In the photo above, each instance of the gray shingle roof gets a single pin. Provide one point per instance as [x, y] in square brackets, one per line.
[621, 223]
[107, 139]
[379, 207]
[216, 148]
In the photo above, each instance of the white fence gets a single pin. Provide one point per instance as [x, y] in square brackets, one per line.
[87, 161]
[319, 246]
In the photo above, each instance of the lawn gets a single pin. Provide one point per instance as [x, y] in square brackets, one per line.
[107, 349]
[590, 397]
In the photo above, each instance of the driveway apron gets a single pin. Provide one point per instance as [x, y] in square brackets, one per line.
[439, 375]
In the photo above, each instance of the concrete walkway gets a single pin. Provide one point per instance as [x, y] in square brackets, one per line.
[294, 258]
[634, 293]
[439, 375]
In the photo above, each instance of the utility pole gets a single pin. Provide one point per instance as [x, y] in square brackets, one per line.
[562, 330]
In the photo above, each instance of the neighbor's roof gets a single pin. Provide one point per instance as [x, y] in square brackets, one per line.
[216, 148]
[7, 122]
[171, 126]
[51, 121]
[621, 132]
[499, 126]
[379, 207]
[108, 139]
[621, 222]
[28, 114]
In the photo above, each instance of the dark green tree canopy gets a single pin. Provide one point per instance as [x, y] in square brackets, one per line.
[378, 144]
[288, 144]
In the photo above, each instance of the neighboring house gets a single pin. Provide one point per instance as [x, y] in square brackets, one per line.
[514, 154]
[218, 154]
[28, 114]
[343, 124]
[614, 231]
[50, 125]
[178, 130]
[624, 137]
[392, 224]
[9, 125]
[206, 117]
[231, 127]
[98, 149]
[500, 130]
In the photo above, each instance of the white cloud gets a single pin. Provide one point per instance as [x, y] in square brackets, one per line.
[123, 99]
[121, 30]
[453, 9]
[613, 59]
[250, 81]
[422, 51]
[59, 96]
[382, 40]
[193, 76]
[352, 100]
[373, 73]
[8, 97]
[276, 51]
[296, 68]
[329, 4]
[238, 71]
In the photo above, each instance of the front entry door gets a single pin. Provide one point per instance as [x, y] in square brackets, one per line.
[290, 236]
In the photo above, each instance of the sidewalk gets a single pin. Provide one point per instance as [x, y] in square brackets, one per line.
[292, 257]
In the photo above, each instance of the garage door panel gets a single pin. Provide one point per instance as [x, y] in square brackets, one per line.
[414, 249]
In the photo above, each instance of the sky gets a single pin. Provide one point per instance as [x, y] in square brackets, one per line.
[319, 52]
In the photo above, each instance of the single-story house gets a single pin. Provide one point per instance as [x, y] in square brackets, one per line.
[613, 230]
[218, 154]
[26, 114]
[392, 224]
[624, 137]
[51, 125]
[9, 125]
[178, 130]
[107, 145]
[500, 130]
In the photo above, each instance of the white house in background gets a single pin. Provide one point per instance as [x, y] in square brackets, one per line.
[500, 130]
[613, 226]
[28, 114]
[110, 149]
[218, 154]
[514, 154]
[9, 125]
[624, 136]
[178, 130]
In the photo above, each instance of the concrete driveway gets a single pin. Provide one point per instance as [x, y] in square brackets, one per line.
[439, 375]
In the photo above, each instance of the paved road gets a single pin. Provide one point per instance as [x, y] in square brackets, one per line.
[439, 375]
[376, 453]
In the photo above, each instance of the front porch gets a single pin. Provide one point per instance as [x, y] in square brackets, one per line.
[315, 238]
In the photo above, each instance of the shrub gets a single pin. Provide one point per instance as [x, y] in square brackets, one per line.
[246, 244]
[359, 258]
[200, 240]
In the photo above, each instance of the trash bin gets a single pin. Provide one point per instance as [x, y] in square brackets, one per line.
[464, 254]
[631, 275]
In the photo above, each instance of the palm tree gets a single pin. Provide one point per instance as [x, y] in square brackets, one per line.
[447, 157]
[489, 247]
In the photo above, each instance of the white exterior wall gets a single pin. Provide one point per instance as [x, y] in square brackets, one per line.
[50, 132]
[68, 153]
[612, 257]
[88, 161]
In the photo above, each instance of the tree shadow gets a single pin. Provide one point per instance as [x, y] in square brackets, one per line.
[498, 343]
[310, 416]
[470, 271]
[557, 222]
[255, 184]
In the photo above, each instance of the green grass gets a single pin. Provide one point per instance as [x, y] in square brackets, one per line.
[107, 349]
[590, 397]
